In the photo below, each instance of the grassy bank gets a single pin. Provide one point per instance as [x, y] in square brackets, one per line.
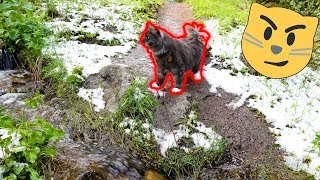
[229, 12]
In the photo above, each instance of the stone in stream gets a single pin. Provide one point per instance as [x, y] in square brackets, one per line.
[75, 160]
[115, 79]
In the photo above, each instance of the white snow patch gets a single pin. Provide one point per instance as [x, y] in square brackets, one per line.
[176, 90]
[95, 96]
[90, 56]
[205, 137]
[15, 142]
[197, 76]
[106, 24]
[291, 105]
[138, 95]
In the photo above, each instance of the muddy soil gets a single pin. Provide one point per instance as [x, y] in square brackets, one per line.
[252, 153]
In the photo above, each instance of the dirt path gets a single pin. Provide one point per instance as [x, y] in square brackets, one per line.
[252, 153]
[173, 15]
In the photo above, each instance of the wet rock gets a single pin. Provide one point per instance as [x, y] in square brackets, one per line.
[173, 108]
[80, 161]
[115, 80]
[15, 81]
[13, 100]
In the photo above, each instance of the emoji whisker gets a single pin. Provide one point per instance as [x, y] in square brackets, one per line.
[256, 44]
[299, 54]
[302, 49]
[253, 37]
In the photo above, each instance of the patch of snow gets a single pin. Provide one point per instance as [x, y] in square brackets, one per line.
[291, 105]
[205, 137]
[176, 90]
[138, 95]
[15, 142]
[95, 96]
[111, 22]
[197, 76]
[192, 115]
[157, 93]
[90, 56]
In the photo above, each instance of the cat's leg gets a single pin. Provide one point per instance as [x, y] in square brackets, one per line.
[161, 76]
[178, 78]
[196, 72]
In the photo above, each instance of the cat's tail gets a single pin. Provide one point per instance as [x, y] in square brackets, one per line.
[196, 30]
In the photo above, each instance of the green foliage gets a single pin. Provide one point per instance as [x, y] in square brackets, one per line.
[316, 141]
[22, 29]
[76, 79]
[147, 7]
[24, 143]
[51, 10]
[136, 104]
[305, 8]
[144, 9]
[54, 70]
[229, 12]
[62, 84]
[180, 163]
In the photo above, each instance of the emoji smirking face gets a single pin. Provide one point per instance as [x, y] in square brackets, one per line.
[278, 42]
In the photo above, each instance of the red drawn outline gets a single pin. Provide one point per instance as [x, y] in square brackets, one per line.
[204, 35]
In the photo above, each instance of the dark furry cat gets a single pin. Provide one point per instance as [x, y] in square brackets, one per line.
[175, 56]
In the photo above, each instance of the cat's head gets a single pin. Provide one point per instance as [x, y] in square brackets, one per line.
[153, 39]
[278, 42]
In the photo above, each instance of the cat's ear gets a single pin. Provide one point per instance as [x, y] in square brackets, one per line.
[150, 27]
[158, 32]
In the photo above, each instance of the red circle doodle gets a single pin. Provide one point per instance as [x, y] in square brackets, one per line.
[205, 37]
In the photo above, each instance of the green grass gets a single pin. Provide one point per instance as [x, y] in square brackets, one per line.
[29, 141]
[177, 163]
[229, 12]
[316, 141]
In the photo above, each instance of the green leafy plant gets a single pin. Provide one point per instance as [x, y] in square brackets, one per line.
[51, 9]
[25, 142]
[22, 29]
[143, 9]
[316, 141]
[137, 103]
[76, 79]
[180, 163]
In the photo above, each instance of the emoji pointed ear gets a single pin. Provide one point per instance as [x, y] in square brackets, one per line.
[255, 7]
[313, 21]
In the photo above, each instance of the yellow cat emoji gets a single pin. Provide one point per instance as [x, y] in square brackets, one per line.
[278, 42]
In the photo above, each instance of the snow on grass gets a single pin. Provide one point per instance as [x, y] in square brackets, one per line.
[111, 29]
[15, 141]
[202, 137]
[198, 132]
[291, 105]
[95, 96]
[90, 56]
[89, 34]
